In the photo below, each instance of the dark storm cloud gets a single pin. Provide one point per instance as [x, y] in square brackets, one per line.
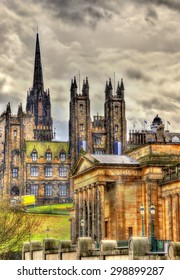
[13, 98]
[81, 12]
[159, 104]
[151, 15]
[172, 4]
[137, 75]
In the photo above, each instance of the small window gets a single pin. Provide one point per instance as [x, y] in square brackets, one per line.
[81, 108]
[98, 152]
[48, 171]
[62, 156]
[116, 109]
[49, 156]
[62, 172]
[81, 127]
[34, 156]
[98, 141]
[116, 128]
[48, 190]
[63, 190]
[15, 172]
[34, 171]
[34, 189]
[15, 134]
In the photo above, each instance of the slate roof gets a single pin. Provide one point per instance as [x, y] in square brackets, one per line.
[114, 159]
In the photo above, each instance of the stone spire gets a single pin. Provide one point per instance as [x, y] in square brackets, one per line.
[38, 74]
[120, 89]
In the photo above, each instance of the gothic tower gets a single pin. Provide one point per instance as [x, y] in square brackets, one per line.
[80, 122]
[38, 101]
[115, 120]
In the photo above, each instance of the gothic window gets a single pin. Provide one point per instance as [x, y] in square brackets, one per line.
[116, 128]
[62, 172]
[49, 156]
[15, 172]
[15, 190]
[48, 190]
[98, 141]
[62, 156]
[34, 171]
[63, 190]
[34, 189]
[15, 134]
[116, 109]
[48, 171]
[81, 127]
[81, 108]
[98, 152]
[34, 156]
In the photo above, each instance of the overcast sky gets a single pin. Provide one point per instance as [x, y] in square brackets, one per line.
[137, 40]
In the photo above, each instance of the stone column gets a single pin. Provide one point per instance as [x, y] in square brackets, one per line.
[92, 209]
[88, 212]
[101, 212]
[170, 217]
[80, 212]
[174, 218]
[178, 217]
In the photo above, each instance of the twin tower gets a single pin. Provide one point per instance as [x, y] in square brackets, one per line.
[104, 135]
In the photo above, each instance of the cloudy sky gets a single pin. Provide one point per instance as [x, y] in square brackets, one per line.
[137, 40]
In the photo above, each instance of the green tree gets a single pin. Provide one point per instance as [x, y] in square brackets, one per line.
[16, 226]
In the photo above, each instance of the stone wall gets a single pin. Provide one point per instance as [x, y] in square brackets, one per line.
[138, 248]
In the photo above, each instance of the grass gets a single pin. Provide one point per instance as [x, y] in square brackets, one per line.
[58, 224]
[51, 209]
[59, 227]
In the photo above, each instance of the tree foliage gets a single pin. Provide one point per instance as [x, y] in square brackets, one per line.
[16, 226]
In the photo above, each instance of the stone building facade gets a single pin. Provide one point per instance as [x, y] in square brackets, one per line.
[47, 171]
[105, 134]
[38, 101]
[29, 166]
[15, 130]
[109, 191]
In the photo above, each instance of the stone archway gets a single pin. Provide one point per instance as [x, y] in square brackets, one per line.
[15, 191]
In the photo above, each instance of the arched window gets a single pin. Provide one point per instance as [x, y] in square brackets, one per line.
[15, 190]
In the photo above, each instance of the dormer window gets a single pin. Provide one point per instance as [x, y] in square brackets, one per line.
[62, 156]
[34, 156]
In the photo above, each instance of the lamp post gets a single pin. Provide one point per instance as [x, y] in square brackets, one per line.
[47, 231]
[153, 238]
[142, 216]
[82, 228]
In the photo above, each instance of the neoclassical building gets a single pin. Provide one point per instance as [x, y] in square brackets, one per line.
[110, 189]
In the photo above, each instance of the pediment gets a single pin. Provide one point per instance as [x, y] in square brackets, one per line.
[82, 165]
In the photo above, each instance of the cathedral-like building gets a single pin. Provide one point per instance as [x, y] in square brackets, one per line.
[107, 177]
[38, 101]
